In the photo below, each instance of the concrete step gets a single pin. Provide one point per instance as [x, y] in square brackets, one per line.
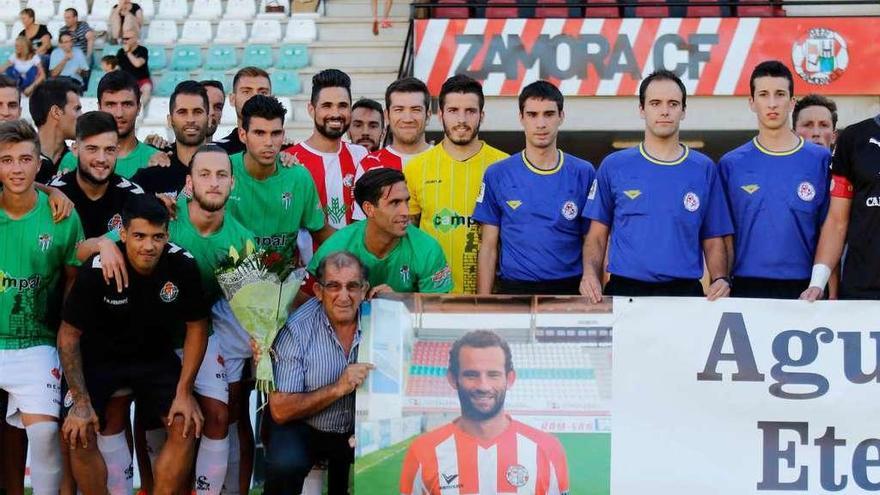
[363, 81]
[378, 55]
[361, 9]
[360, 29]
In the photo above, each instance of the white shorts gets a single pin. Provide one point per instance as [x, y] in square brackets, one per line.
[234, 341]
[211, 378]
[32, 378]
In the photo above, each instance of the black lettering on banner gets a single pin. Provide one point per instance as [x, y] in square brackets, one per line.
[474, 42]
[773, 454]
[622, 60]
[809, 351]
[747, 369]
[852, 357]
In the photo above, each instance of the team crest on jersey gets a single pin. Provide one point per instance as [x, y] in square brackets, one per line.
[348, 180]
[806, 191]
[286, 197]
[404, 274]
[517, 475]
[570, 210]
[45, 240]
[115, 223]
[56, 373]
[168, 292]
[691, 201]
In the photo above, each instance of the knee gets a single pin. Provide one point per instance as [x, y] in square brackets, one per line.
[216, 418]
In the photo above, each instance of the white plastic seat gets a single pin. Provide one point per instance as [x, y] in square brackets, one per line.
[285, 102]
[82, 8]
[266, 31]
[88, 104]
[172, 9]
[161, 32]
[44, 10]
[157, 111]
[100, 10]
[238, 9]
[196, 32]
[206, 9]
[17, 26]
[54, 26]
[98, 26]
[301, 31]
[3, 34]
[231, 32]
[148, 8]
[9, 10]
[145, 130]
[229, 117]
[261, 10]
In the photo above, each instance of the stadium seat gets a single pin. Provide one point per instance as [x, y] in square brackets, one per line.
[6, 51]
[301, 31]
[148, 7]
[143, 131]
[286, 82]
[266, 31]
[89, 103]
[100, 10]
[649, 11]
[186, 57]
[43, 9]
[746, 8]
[92, 90]
[552, 12]
[9, 10]
[17, 26]
[285, 102]
[196, 32]
[231, 31]
[503, 12]
[206, 9]
[292, 57]
[81, 6]
[261, 11]
[110, 49]
[157, 111]
[98, 26]
[706, 10]
[3, 34]
[221, 57]
[157, 59]
[161, 32]
[54, 26]
[229, 117]
[217, 75]
[240, 9]
[172, 9]
[257, 56]
[452, 12]
[169, 80]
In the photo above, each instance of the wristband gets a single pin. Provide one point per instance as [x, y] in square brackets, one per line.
[821, 274]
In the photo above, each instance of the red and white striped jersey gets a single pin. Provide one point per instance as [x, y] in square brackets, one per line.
[521, 460]
[334, 175]
[386, 157]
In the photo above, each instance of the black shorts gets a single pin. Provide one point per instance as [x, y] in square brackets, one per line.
[768, 288]
[153, 383]
[623, 286]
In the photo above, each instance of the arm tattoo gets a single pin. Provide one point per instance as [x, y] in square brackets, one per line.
[71, 362]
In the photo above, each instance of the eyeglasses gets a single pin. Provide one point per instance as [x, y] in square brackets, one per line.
[334, 287]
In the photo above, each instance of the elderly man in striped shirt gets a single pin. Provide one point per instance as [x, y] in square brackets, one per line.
[316, 374]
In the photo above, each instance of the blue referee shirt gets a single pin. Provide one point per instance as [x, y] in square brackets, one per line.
[659, 212]
[538, 213]
[778, 202]
[309, 356]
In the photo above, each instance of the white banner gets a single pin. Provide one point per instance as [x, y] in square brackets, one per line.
[745, 397]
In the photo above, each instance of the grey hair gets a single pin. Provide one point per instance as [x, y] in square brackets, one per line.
[340, 259]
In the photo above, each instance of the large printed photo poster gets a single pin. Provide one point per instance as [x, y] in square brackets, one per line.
[724, 398]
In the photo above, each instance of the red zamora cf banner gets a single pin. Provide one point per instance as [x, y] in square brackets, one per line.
[608, 57]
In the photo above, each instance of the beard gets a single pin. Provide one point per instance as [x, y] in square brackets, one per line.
[84, 172]
[182, 138]
[207, 204]
[368, 143]
[468, 139]
[324, 130]
[470, 411]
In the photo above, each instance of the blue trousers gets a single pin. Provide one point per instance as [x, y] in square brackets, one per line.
[24, 79]
[293, 450]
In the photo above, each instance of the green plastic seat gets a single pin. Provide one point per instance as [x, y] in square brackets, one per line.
[217, 75]
[257, 56]
[286, 83]
[110, 50]
[292, 57]
[186, 57]
[94, 79]
[221, 57]
[157, 59]
[169, 80]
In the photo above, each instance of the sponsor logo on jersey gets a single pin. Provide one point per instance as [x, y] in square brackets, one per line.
[872, 201]
[446, 220]
[116, 302]
[276, 240]
[404, 274]
[336, 211]
[56, 373]
[632, 193]
[168, 292]
[806, 191]
[517, 475]
[441, 276]
[691, 201]
[286, 198]
[8, 282]
[449, 481]
[570, 210]
[874, 141]
[115, 223]
[481, 193]
[593, 188]
[820, 57]
[514, 204]
[750, 188]
[45, 240]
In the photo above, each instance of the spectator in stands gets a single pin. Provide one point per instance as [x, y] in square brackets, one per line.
[367, 124]
[134, 59]
[664, 193]
[386, 23]
[216, 101]
[10, 100]
[316, 374]
[125, 16]
[83, 35]
[37, 34]
[536, 247]
[109, 63]
[815, 119]
[248, 81]
[24, 66]
[68, 60]
[407, 108]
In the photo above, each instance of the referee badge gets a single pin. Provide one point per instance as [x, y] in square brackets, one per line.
[806, 191]
[569, 210]
[168, 292]
[517, 475]
[691, 201]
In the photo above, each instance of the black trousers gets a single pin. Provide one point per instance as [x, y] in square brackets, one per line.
[768, 288]
[623, 286]
[293, 450]
[560, 287]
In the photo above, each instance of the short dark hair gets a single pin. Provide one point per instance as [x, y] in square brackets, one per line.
[213, 83]
[190, 87]
[541, 90]
[8, 82]
[339, 259]
[369, 187]
[479, 339]
[116, 81]
[208, 148]
[661, 75]
[771, 68]
[815, 100]
[93, 123]
[29, 12]
[461, 83]
[265, 107]
[65, 34]
[51, 93]
[249, 71]
[112, 61]
[72, 11]
[19, 131]
[329, 78]
[146, 207]
[372, 105]
[408, 85]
